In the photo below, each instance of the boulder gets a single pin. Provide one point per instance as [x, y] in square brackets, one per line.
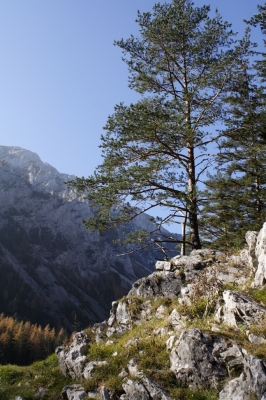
[158, 284]
[251, 239]
[90, 368]
[161, 312]
[134, 390]
[72, 359]
[74, 392]
[105, 394]
[260, 251]
[154, 390]
[239, 308]
[255, 339]
[250, 384]
[195, 359]
[143, 389]
[175, 320]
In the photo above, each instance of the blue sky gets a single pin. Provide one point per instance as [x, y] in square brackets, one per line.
[60, 75]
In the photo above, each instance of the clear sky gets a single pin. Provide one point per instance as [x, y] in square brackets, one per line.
[60, 75]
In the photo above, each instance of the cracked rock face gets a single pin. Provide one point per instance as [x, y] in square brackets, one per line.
[72, 359]
[74, 392]
[239, 308]
[159, 284]
[195, 359]
[260, 252]
[250, 384]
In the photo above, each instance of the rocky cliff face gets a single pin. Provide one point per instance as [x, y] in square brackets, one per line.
[194, 328]
[52, 269]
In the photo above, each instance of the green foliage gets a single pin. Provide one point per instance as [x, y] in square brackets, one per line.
[235, 198]
[26, 381]
[155, 151]
[259, 295]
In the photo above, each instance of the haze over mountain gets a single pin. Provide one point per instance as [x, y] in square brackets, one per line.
[53, 270]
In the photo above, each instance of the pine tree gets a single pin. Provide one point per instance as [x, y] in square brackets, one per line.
[236, 197]
[155, 151]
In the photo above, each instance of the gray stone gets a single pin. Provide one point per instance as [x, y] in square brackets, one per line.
[239, 308]
[163, 266]
[195, 360]
[250, 384]
[158, 284]
[100, 327]
[72, 359]
[41, 392]
[161, 331]
[93, 395]
[90, 368]
[123, 374]
[133, 368]
[146, 311]
[260, 251]
[74, 392]
[236, 389]
[232, 356]
[175, 321]
[154, 390]
[255, 339]
[105, 394]
[135, 390]
[251, 239]
[161, 312]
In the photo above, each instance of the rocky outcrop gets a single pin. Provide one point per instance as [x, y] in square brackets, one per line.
[239, 308]
[159, 284]
[143, 389]
[72, 359]
[250, 385]
[74, 392]
[260, 253]
[196, 359]
[199, 359]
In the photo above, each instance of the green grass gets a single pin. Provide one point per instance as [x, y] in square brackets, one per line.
[42, 374]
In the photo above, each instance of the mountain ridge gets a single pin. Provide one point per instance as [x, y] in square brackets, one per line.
[45, 246]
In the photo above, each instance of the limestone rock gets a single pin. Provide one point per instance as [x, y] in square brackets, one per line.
[144, 389]
[134, 390]
[93, 395]
[120, 318]
[74, 392]
[105, 394]
[175, 320]
[158, 284]
[154, 390]
[255, 339]
[90, 368]
[163, 266]
[250, 384]
[239, 308]
[161, 312]
[251, 239]
[72, 359]
[195, 360]
[260, 251]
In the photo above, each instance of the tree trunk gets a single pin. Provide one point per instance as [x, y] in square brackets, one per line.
[192, 201]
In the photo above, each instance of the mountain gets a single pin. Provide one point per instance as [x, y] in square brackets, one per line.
[53, 270]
